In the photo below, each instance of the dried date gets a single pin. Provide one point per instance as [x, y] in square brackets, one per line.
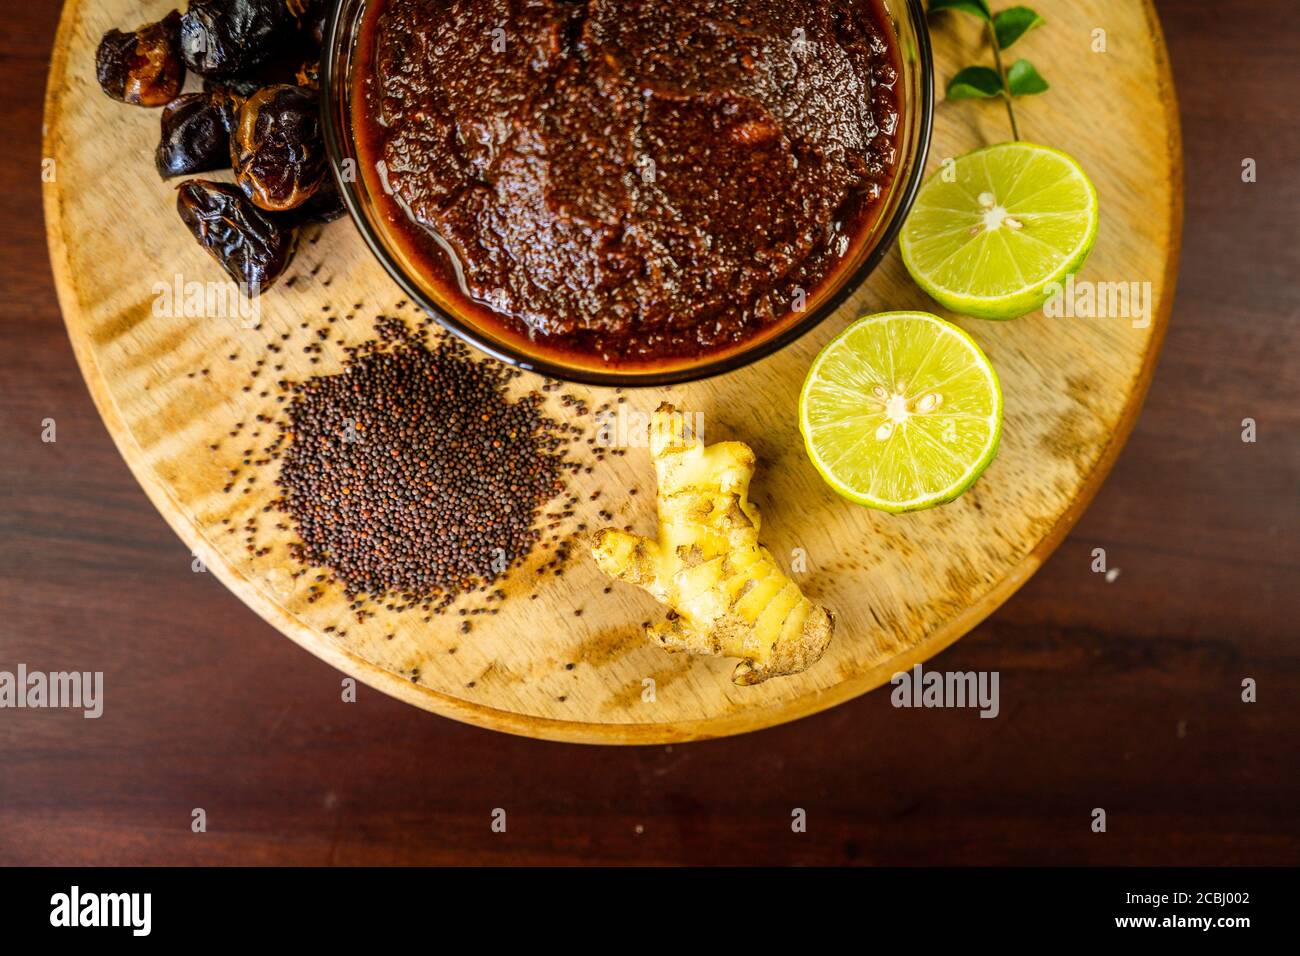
[291, 51]
[226, 37]
[251, 246]
[325, 205]
[310, 15]
[196, 130]
[145, 67]
[241, 86]
[309, 75]
[277, 148]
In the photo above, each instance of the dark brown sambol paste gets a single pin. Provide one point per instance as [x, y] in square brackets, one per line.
[630, 180]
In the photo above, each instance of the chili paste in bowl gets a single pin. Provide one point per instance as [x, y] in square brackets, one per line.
[640, 191]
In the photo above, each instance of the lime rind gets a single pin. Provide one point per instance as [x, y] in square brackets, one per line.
[1064, 215]
[836, 417]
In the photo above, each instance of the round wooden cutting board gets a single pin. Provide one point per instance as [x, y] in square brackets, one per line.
[564, 658]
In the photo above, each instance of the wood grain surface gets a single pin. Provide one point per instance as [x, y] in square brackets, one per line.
[565, 657]
[1123, 694]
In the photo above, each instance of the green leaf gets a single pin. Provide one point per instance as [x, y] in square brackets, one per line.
[1023, 79]
[974, 82]
[1013, 23]
[976, 8]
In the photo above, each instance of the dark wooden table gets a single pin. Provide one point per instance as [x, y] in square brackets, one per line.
[1122, 695]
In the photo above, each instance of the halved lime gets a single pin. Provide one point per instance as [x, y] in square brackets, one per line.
[901, 411]
[991, 233]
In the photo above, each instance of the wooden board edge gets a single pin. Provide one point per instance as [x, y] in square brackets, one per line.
[581, 731]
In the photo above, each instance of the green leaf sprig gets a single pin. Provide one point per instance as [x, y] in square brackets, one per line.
[1004, 28]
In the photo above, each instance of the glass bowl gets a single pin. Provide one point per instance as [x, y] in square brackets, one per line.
[495, 338]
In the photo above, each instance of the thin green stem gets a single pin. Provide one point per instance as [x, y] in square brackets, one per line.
[1002, 77]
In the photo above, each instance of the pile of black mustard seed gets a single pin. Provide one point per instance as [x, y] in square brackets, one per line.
[411, 472]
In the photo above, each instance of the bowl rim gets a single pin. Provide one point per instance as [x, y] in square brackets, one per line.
[331, 109]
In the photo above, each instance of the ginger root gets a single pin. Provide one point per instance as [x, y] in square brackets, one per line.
[727, 594]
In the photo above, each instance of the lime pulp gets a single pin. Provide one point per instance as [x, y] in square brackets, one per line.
[901, 411]
[993, 233]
